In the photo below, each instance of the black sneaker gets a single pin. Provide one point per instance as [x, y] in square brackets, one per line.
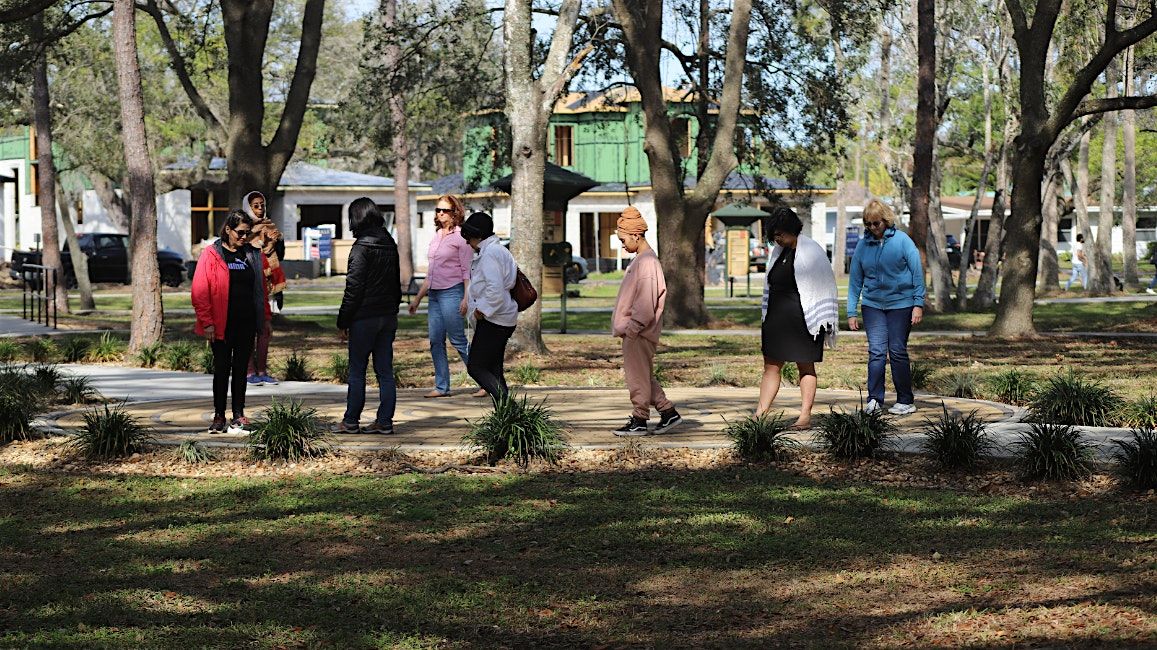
[377, 428]
[218, 425]
[667, 419]
[634, 427]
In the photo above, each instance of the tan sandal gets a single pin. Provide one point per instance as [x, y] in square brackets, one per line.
[435, 393]
[481, 392]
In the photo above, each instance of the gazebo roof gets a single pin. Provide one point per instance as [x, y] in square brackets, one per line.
[737, 214]
[559, 186]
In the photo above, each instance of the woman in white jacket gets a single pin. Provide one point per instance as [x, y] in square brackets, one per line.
[491, 307]
[800, 311]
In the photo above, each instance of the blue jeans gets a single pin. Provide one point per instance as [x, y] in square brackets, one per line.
[444, 320]
[1153, 282]
[372, 336]
[888, 340]
[1078, 272]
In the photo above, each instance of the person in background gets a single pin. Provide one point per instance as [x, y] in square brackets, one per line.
[231, 305]
[1079, 269]
[446, 283]
[368, 317]
[638, 320]
[800, 311]
[269, 239]
[490, 306]
[887, 281]
[1152, 260]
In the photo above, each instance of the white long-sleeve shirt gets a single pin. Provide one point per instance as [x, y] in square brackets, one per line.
[492, 273]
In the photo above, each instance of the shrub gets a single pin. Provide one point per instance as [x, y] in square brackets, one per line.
[289, 431]
[854, 434]
[527, 374]
[1140, 413]
[1068, 398]
[1052, 452]
[921, 375]
[205, 359]
[9, 350]
[179, 356]
[148, 355]
[956, 441]
[660, 373]
[43, 350]
[20, 402]
[339, 368]
[960, 382]
[75, 349]
[296, 368]
[761, 437]
[790, 373]
[77, 390]
[460, 379]
[519, 430]
[720, 376]
[1137, 459]
[107, 349]
[45, 378]
[1012, 386]
[193, 452]
[111, 432]
[403, 378]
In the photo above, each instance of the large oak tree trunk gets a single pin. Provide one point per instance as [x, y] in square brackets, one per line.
[400, 148]
[46, 184]
[1102, 281]
[148, 311]
[1047, 265]
[1129, 182]
[922, 159]
[937, 262]
[1022, 240]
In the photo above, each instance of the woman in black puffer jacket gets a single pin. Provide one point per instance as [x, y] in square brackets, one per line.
[368, 318]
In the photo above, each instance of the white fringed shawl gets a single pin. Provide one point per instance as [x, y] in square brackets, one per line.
[817, 288]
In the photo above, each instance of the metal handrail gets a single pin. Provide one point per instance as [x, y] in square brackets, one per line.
[38, 302]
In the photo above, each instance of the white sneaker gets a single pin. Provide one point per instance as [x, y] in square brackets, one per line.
[1148, 290]
[872, 406]
[902, 409]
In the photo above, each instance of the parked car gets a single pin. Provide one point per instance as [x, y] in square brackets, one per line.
[108, 260]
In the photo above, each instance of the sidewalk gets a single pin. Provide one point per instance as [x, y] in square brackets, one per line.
[178, 406]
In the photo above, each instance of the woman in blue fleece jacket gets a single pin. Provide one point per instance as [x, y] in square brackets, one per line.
[887, 285]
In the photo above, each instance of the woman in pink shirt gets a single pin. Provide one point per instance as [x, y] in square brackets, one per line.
[446, 281]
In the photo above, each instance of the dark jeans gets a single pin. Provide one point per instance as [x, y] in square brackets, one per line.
[487, 354]
[231, 356]
[372, 336]
[887, 331]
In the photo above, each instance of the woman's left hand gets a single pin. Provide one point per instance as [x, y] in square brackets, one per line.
[917, 315]
[462, 307]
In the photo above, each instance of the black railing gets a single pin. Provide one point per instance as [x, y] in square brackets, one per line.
[39, 301]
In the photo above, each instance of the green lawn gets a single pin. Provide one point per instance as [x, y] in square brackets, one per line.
[732, 557]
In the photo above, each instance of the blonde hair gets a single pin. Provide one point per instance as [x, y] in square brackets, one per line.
[457, 210]
[877, 211]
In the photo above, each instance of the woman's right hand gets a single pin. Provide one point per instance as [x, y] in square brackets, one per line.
[853, 323]
[209, 332]
[414, 305]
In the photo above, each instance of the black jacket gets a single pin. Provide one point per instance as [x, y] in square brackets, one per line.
[373, 285]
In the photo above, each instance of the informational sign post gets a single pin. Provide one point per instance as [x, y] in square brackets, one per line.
[738, 256]
[317, 244]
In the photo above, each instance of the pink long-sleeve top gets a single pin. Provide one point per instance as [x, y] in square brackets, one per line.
[449, 259]
[639, 307]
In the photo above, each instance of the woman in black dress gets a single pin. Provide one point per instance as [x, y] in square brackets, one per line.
[800, 311]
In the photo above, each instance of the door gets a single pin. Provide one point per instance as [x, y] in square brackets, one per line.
[110, 260]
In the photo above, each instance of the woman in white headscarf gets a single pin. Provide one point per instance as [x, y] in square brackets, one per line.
[269, 239]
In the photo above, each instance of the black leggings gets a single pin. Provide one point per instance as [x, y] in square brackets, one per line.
[487, 354]
[231, 355]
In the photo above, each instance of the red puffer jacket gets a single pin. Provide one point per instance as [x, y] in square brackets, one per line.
[211, 290]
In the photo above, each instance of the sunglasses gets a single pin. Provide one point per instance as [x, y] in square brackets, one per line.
[447, 210]
[873, 224]
[241, 233]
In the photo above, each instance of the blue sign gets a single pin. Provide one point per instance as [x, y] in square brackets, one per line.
[851, 240]
[325, 246]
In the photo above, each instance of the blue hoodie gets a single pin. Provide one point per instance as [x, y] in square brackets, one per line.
[885, 273]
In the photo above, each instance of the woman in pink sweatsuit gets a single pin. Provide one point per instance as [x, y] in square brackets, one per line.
[638, 320]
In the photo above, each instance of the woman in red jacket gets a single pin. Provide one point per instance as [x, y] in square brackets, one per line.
[232, 305]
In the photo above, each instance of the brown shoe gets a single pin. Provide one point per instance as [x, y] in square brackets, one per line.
[435, 393]
[481, 392]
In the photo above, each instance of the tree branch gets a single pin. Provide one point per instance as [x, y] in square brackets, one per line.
[24, 11]
[557, 72]
[1016, 13]
[284, 140]
[181, 69]
[1095, 106]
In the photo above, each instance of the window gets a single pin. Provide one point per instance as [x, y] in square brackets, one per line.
[564, 145]
[34, 181]
[681, 134]
[209, 208]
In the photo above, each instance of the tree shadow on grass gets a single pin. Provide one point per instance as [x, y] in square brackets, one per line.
[731, 557]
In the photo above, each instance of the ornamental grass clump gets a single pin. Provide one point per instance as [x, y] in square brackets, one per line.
[20, 402]
[290, 431]
[519, 430]
[527, 374]
[854, 434]
[296, 368]
[1011, 386]
[1068, 398]
[761, 438]
[179, 356]
[790, 373]
[77, 390]
[1139, 414]
[46, 377]
[107, 349]
[339, 368]
[148, 355]
[9, 350]
[1137, 459]
[960, 382]
[921, 375]
[111, 432]
[955, 441]
[1053, 452]
[193, 453]
[75, 349]
[43, 350]
[205, 359]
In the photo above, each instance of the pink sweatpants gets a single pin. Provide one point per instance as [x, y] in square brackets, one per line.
[638, 355]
